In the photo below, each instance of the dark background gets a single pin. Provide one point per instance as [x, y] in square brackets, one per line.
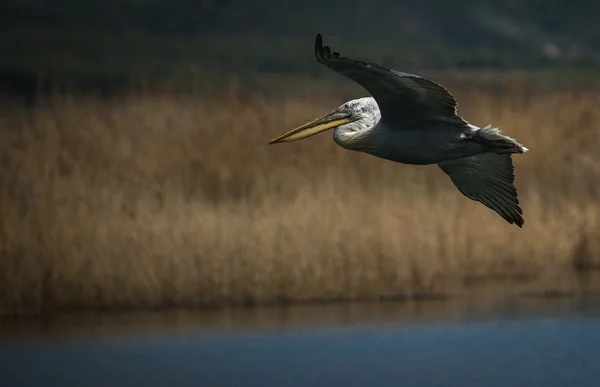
[112, 44]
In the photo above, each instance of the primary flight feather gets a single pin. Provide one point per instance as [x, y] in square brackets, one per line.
[412, 120]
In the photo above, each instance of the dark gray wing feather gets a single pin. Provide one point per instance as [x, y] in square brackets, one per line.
[487, 178]
[408, 100]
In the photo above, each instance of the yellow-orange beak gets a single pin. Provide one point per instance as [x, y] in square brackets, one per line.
[319, 125]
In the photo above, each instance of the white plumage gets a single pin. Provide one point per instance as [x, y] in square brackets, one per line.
[412, 120]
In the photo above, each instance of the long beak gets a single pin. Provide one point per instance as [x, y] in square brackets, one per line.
[319, 125]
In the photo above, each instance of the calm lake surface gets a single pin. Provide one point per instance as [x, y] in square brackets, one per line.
[527, 342]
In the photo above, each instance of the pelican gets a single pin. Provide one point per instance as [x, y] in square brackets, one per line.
[411, 120]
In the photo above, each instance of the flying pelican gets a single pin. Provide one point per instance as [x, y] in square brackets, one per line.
[412, 120]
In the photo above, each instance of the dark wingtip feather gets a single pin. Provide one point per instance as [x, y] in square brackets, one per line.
[516, 215]
[520, 222]
[319, 48]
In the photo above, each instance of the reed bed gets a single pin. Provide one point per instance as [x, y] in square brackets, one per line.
[149, 200]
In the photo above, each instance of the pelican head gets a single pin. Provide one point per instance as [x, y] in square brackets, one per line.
[350, 121]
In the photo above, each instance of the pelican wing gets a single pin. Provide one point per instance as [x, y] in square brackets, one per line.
[487, 178]
[406, 99]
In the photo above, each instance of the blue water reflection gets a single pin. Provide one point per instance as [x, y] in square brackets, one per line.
[541, 351]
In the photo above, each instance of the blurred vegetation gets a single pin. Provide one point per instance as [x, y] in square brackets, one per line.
[150, 200]
[113, 43]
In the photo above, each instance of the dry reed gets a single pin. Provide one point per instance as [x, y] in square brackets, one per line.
[152, 200]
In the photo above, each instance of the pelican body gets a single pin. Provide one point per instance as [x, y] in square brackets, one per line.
[411, 120]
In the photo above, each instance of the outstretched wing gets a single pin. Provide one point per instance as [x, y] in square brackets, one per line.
[488, 178]
[406, 99]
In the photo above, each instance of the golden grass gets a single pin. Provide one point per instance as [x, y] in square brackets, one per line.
[151, 200]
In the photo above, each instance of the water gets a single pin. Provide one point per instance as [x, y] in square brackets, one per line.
[547, 343]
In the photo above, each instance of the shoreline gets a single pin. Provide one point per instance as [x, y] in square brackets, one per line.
[586, 284]
[71, 324]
